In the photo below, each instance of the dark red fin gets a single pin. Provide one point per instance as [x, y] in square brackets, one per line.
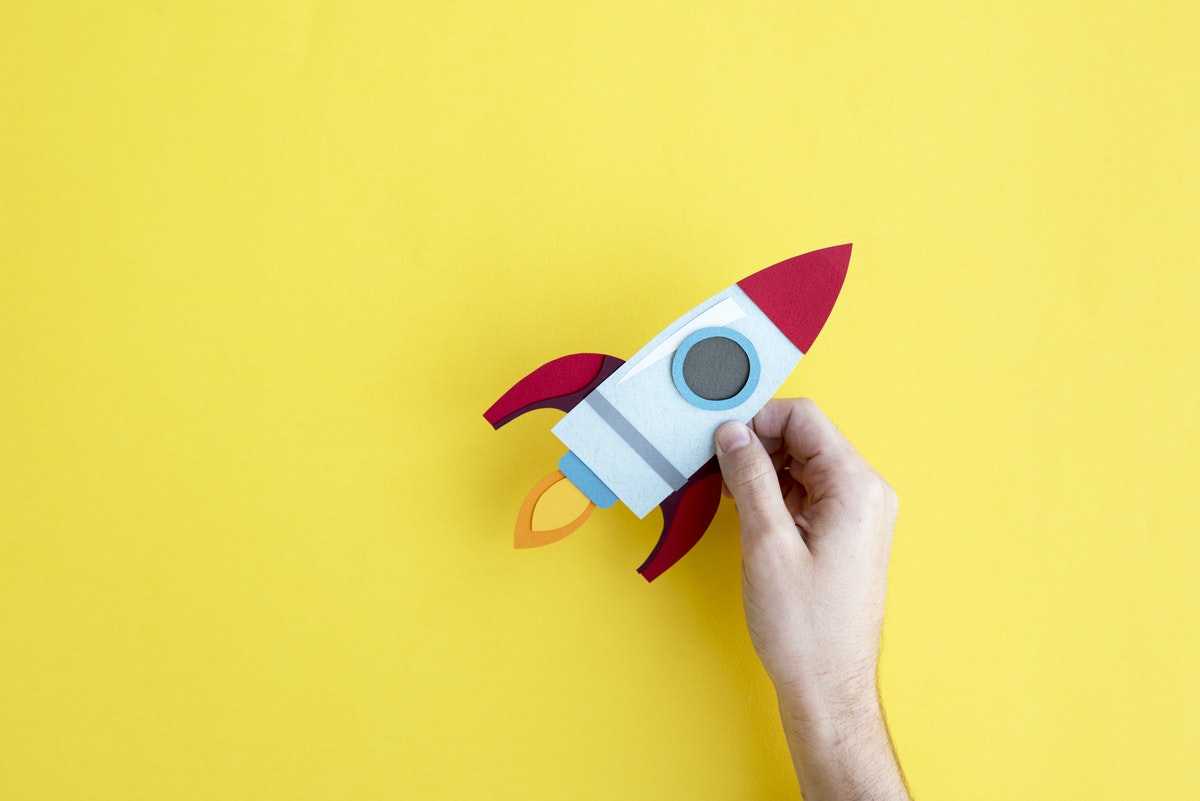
[686, 515]
[560, 384]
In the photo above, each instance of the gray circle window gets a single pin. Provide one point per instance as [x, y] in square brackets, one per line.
[715, 368]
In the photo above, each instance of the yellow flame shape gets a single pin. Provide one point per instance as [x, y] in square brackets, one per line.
[526, 536]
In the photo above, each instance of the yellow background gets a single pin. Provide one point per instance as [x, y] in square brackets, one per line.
[264, 266]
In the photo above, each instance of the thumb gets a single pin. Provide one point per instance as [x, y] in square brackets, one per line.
[752, 480]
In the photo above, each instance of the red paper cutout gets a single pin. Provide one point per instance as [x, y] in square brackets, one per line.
[686, 515]
[798, 294]
[559, 384]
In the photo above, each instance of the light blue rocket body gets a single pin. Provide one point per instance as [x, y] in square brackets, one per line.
[638, 437]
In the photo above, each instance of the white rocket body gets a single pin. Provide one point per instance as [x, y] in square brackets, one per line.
[644, 431]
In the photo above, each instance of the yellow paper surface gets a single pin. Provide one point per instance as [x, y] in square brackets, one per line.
[264, 265]
[559, 505]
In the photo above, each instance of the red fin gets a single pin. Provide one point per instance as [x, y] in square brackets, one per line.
[686, 515]
[560, 384]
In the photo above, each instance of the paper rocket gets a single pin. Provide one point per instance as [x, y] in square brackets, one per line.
[641, 432]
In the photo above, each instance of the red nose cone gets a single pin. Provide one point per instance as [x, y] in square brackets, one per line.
[799, 293]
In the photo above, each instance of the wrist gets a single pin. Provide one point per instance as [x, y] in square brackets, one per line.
[840, 745]
[847, 694]
[841, 748]
[825, 711]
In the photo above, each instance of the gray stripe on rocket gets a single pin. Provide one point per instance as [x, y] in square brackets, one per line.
[634, 439]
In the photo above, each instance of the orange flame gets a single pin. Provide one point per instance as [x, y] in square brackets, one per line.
[528, 537]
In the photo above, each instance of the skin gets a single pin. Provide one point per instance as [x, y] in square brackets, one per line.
[816, 535]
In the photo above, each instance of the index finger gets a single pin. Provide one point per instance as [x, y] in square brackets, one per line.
[822, 458]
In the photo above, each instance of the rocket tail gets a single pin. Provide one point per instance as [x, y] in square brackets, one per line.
[536, 524]
[686, 516]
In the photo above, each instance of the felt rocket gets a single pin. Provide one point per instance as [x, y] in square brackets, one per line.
[641, 431]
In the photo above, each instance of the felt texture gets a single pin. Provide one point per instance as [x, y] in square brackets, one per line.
[557, 384]
[643, 391]
[587, 482]
[637, 429]
[798, 294]
[686, 516]
[716, 368]
[745, 365]
[612, 459]
[526, 536]
[715, 315]
[635, 439]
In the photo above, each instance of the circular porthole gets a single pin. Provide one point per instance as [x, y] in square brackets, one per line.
[715, 368]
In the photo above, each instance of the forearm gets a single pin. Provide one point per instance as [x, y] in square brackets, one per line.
[816, 533]
[841, 752]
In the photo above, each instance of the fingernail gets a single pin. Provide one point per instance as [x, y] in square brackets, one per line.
[732, 436]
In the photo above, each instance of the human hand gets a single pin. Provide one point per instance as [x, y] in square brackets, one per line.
[816, 534]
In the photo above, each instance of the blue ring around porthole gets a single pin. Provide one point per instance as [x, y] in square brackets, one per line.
[705, 403]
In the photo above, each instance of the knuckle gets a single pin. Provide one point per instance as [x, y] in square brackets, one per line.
[750, 474]
[768, 557]
[871, 490]
[891, 499]
[885, 496]
[806, 405]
